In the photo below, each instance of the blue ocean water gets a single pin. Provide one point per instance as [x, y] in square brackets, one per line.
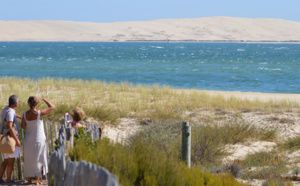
[210, 66]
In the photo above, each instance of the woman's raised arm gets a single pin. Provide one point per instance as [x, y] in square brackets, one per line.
[47, 110]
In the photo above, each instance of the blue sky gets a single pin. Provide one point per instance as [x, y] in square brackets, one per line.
[144, 10]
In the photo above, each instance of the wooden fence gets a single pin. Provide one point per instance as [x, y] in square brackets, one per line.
[65, 171]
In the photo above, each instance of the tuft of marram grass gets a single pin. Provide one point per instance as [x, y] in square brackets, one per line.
[291, 144]
[270, 165]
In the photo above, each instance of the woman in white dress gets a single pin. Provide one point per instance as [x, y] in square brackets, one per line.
[35, 144]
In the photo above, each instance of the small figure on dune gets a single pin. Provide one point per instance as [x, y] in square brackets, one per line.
[77, 115]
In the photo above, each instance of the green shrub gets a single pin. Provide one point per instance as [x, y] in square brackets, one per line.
[144, 164]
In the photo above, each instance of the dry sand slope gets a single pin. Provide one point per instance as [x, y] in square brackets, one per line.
[213, 29]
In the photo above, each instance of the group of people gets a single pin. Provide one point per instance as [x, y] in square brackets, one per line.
[35, 144]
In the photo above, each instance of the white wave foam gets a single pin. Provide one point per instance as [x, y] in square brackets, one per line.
[71, 59]
[281, 48]
[156, 47]
[270, 69]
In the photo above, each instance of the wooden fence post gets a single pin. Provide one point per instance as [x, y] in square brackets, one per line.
[56, 133]
[100, 132]
[51, 137]
[65, 123]
[70, 137]
[46, 127]
[186, 143]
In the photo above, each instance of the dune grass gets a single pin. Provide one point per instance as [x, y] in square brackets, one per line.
[208, 141]
[110, 101]
[140, 163]
[292, 144]
[152, 156]
[263, 158]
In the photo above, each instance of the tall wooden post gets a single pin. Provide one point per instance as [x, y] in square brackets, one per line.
[51, 137]
[100, 132]
[46, 128]
[186, 143]
[69, 138]
[65, 123]
[56, 133]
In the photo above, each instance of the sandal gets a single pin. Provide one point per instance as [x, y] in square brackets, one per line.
[2, 181]
[11, 181]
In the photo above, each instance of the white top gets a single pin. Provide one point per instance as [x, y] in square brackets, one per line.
[10, 116]
[35, 148]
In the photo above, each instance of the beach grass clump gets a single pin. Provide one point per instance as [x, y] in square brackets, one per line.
[263, 158]
[265, 165]
[291, 144]
[208, 140]
[266, 173]
[276, 182]
[236, 131]
[138, 163]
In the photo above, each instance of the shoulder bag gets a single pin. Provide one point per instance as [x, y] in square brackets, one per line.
[7, 143]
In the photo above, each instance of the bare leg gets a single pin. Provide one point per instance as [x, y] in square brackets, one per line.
[2, 168]
[29, 180]
[37, 181]
[10, 167]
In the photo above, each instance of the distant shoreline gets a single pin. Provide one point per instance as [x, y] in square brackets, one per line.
[168, 41]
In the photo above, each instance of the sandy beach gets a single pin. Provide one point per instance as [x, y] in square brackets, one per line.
[206, 29]
[257, 95]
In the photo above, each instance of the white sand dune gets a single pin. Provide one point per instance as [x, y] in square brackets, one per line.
[210, 29]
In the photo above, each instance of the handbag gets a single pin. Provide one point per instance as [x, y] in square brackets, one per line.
[7, 143]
